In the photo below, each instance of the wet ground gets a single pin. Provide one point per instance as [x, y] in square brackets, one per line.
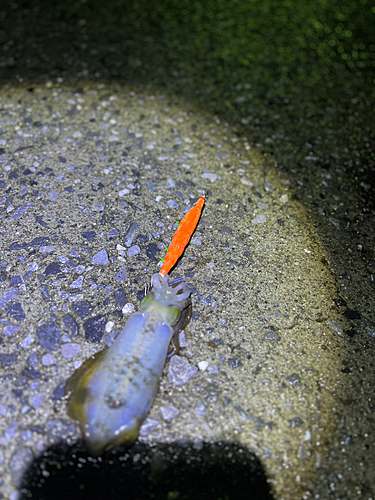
[112, 125]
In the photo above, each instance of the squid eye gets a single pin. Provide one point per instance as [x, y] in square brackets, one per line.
[175, 315]
[146, 301]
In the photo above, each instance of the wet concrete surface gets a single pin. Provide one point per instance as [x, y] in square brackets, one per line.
[95, 173]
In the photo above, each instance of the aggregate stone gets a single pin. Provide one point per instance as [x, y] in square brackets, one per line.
[294, 379]
[49, 336]
[121, 276]
[82, 308]
[7, 297]
[16, 311]
[71, 324]
[134, 250]
[48, 360]
[15, 281]
[94, 328]
[121, 298]
[169, 412]
[130, 233]
[37, 401]
[88, 235]
[7, 359]
[180, 370]
[59, 392]
[100, 258]
[69, 351]
[271, 336]
[10, 330]
[45, 293]
[53, 268]
[295, 422]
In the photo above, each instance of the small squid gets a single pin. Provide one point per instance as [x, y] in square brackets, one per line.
[112, 392]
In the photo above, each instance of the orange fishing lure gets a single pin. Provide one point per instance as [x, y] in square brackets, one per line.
[182, 236]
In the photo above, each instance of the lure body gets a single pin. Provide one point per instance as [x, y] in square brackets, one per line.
[182, 236]
[112, 392]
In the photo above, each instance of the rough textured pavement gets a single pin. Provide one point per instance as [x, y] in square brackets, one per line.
[278, 356]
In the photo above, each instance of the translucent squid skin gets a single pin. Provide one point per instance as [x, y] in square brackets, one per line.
[112, 392]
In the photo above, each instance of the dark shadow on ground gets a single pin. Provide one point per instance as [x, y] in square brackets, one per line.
[192, 470]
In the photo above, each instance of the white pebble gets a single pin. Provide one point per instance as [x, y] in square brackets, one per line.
[202, 365]
[284, 198]
[128, 308]
[246, 182]
[210, 176]
[109, 326]
[261, 219]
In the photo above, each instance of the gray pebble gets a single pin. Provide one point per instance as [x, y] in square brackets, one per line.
[33, 360]
[271, 336]
[30, 372]
[49, 336]
[336, 326]
[197, 240]
[77, 283]
[130, 233]
[21, 210]
[37, 401]
[295, 422]
[69, 351]
[261, 219]
[100, 258]
[15, 281]
[71, 324]
[59, 392]
[180, 370]
[294, 379]
[82, 308]
[15, 310]
[369, 330]
[45, 293]
[28, 340]
[10, 330]
[172, 204]
[11, 430]
[110, 338]
[48, 360]
[169, 412]
[47, 249]
[148, 426]
[25, 435]
[7, 297]
[121, 276]
[113, 234]
[234, 363]
[53, 268]
[134, 250]
[170, 184]
[211, 393]
[88, 235]
[94, 328]
[121, 298]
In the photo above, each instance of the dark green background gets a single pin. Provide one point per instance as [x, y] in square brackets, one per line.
[300, 70]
